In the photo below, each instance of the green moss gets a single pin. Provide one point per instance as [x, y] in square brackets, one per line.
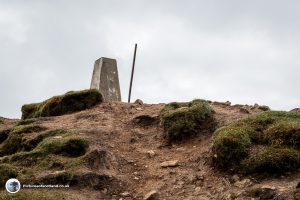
[29, 128]
[65, 177]
[64, 104]
[6, 172]
[4, 135]
[29, 110]
[32, 143]
[238, 144]
[231, 145]
[1, 121]
[68, 146]
[184, 120]
[26, 158]
[33, 194]
[284, 133]
[272, 160]
[26, 122]
[11, 145]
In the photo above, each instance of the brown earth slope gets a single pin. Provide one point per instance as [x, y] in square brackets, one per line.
[126, 149]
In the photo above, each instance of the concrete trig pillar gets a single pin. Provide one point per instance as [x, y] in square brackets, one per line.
[106, 79]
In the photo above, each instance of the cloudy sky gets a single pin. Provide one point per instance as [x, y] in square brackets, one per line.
[243, 51]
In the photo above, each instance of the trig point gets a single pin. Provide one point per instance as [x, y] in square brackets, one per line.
[106, 79]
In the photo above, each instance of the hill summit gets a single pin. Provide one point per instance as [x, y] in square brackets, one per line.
[112, 150]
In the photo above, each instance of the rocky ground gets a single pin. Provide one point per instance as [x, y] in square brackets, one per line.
[129, 158]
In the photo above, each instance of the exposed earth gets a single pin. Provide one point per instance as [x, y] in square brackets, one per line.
[127, 159]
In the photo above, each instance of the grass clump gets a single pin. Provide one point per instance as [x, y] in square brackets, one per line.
[264, 142]
[11, 145]
[69, 146]
[272, 160]
[64, 104]
[184, 120]
[32, 143]
[6, 172]
[28, 128]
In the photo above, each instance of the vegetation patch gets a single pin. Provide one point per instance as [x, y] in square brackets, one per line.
[4, 135]
[26, 122]
[70, 146]
[11, 145]
[6, 172]
[29, 128]
[266, 142]
[64, 104]
[33, 194]
[32, 143]
[182, 120]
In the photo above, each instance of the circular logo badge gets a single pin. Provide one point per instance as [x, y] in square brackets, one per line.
[13, 185]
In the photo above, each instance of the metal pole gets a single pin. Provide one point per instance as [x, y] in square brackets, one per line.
[132, 72]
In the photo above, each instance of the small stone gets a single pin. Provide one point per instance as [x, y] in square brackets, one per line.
[151, 153]
[151, 195]
[104, 191]
[228, 103]
[243, 183]
[136, 178]
[171, 163]
[235, 178]
[125, 194]
[200, 176]
[139, 102]
[139, 109]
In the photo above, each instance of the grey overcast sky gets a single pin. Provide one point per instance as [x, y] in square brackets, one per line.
[243, 51]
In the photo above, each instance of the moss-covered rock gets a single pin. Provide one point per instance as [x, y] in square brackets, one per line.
[69, 146]
[186, 119]
[265, 142]
[31, 143]
[64, 104]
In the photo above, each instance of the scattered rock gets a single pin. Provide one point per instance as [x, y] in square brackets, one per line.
[151, 153]
[125, 194]
[151, 195]
[263, 192]
[228, 103]
[243, 183]
[139, 109]
[139, 102]
[235, 178]
[200, 176]
[171, 163]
